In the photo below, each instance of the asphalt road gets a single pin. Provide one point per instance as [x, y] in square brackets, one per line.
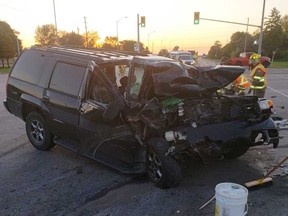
[60, 182]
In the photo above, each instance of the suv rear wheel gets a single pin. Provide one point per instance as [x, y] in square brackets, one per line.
[163, 170]
[38, 132]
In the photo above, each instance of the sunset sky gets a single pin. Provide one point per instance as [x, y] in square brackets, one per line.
[168, 23]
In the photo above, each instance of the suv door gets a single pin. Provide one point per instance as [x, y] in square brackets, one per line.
[104, 134]
[63, 100]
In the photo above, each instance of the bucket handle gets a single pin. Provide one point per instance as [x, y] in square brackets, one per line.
[246, 210]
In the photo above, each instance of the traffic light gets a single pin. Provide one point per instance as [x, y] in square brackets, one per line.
[142, 23]
[196, 17]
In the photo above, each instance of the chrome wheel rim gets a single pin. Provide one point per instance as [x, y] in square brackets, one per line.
[155, 167]
[37, 131]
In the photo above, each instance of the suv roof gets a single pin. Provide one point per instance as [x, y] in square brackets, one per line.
[98, 55]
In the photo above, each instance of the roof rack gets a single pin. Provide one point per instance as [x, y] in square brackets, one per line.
[100, 54]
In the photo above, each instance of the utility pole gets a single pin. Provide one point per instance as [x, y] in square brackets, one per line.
[55, 20]
[261, 30]
[86, 31]
[245, 45]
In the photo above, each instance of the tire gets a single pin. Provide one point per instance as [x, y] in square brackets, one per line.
[265, 64]
[224, 60]
[236, 152]
[38, 132]
[163, 169]
[238, 63]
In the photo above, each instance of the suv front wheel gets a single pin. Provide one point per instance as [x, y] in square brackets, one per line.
[38, 132]
[162, 168]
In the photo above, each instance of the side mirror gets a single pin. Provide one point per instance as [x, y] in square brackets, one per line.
[111, 111]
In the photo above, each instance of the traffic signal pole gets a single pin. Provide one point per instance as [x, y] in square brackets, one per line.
[142, 24]
[197, 16]
[231, 22]
[138, 32]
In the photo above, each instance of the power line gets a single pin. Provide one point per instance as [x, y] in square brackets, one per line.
[10, 7]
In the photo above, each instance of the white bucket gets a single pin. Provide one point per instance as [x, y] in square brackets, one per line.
[231, 200]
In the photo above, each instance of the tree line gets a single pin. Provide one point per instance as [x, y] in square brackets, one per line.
[275, 40]
[47, 35]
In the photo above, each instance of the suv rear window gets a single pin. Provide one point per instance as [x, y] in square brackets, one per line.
[67, 78]
[29, 67]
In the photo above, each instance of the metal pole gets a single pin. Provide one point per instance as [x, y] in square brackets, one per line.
[18, 48]
[17, 42]
[55, 20]
[229, 22]
[117, 29]
[261, 30]
[86, 31]
[138, 33]
[149, 38]
[245, 45]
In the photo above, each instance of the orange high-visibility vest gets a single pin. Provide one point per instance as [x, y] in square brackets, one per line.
[242, 82]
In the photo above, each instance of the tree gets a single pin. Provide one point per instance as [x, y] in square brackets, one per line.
[71, 39]
[91, 39]
[284, 47]
[176, 48]
[215, 50]
[164, 52]
[8, 43]
[273, 33]
[237, 44]
[46, 35]
[285, 23]
[110, 43]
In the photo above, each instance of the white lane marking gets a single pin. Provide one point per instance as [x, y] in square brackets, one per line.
[278, 92]
[285, 77]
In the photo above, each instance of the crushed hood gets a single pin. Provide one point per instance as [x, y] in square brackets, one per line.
[176, 79]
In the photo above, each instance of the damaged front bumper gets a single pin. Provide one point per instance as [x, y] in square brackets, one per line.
[215, 140]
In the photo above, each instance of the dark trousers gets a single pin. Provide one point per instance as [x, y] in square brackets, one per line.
[260, 93]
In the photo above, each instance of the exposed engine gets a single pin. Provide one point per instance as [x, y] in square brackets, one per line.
[173, 111]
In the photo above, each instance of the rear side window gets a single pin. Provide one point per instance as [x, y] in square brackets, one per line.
[29, 66]
[67, 78]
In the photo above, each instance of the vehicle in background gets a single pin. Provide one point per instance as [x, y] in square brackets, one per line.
[184, 57]
[243, 60]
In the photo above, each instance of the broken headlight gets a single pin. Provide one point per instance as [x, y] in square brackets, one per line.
[265, 104]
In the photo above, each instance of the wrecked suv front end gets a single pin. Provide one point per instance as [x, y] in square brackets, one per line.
[179, 107]
[222, 127]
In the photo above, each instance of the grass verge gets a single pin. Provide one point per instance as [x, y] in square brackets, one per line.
[279, 64]
[4, 70]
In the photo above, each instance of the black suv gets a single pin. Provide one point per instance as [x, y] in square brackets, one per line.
[136, 114]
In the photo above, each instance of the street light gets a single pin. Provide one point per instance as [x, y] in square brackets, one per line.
[149, 37]
[117, 26]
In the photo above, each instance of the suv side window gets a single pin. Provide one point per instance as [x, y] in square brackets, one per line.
[67, 78]
[100, 93]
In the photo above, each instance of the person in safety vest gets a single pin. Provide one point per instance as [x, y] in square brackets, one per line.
[241, 84]
[258, 76]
